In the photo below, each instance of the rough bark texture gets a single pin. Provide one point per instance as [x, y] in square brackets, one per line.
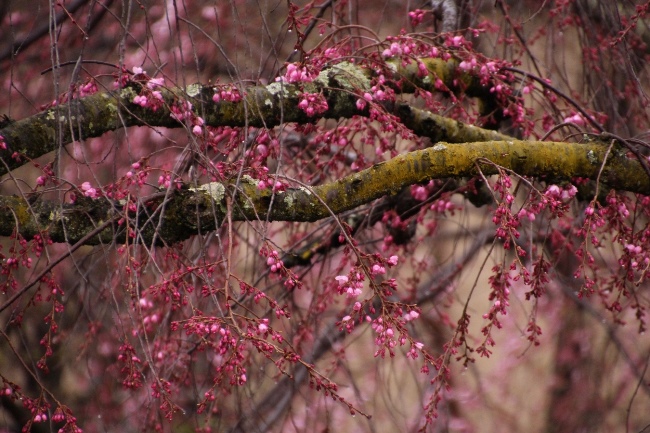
[175, 215]
[198, 210]
[261, 106]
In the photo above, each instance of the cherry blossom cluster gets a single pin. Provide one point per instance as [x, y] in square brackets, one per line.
[88, 88]
[594, 221]
[472, 63]
[274, 262]
[277, 268]
[313, 103]
[221, 170]
[198, 123]
[378, 92]
[89, 191]
[384, 338]
[457, 41]
[392, 319]
[612, 218]
[151, 316]
[499, 296]
[262, 328]
[328, 387]
[150, 96]
[208, 402]
[230, 359]
[181, 111]
[122, 78]
[380, 89]
[444, 206]
[275, 185]
[617, 210]
[353, 288]
[297, 74]
[76, 91]
[228, 93]
[130, 369]
[121, 189]
[416, 16]
[148, 102]
[204, 327]
[575, 118]
[174, 289]
[137, 175]
[420, 192]
[267, 145]
[538, 279]
[390, 331]
[635, 261]
[557, 193]
[507, 222]
[162, 389]
[491, 73]
[415, 350]
[39, 409]
[458, 347]
[363, 101]
[397, 49]
[20, 255]
[556, 199]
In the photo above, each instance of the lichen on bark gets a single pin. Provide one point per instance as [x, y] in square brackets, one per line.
[188, 212]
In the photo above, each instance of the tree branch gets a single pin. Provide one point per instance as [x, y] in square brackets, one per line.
[194, 210]
[261, 106]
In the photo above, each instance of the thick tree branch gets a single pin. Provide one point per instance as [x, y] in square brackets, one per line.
[190, 211]
[440, 128]
[261, 106]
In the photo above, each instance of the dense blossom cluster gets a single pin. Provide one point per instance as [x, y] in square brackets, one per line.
[184, 334]
[226, 93]
[313, 103]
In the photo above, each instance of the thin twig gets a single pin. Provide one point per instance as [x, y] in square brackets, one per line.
[56, 261]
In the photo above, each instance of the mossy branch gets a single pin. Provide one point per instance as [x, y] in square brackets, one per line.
[261, 106]
[188, 212]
